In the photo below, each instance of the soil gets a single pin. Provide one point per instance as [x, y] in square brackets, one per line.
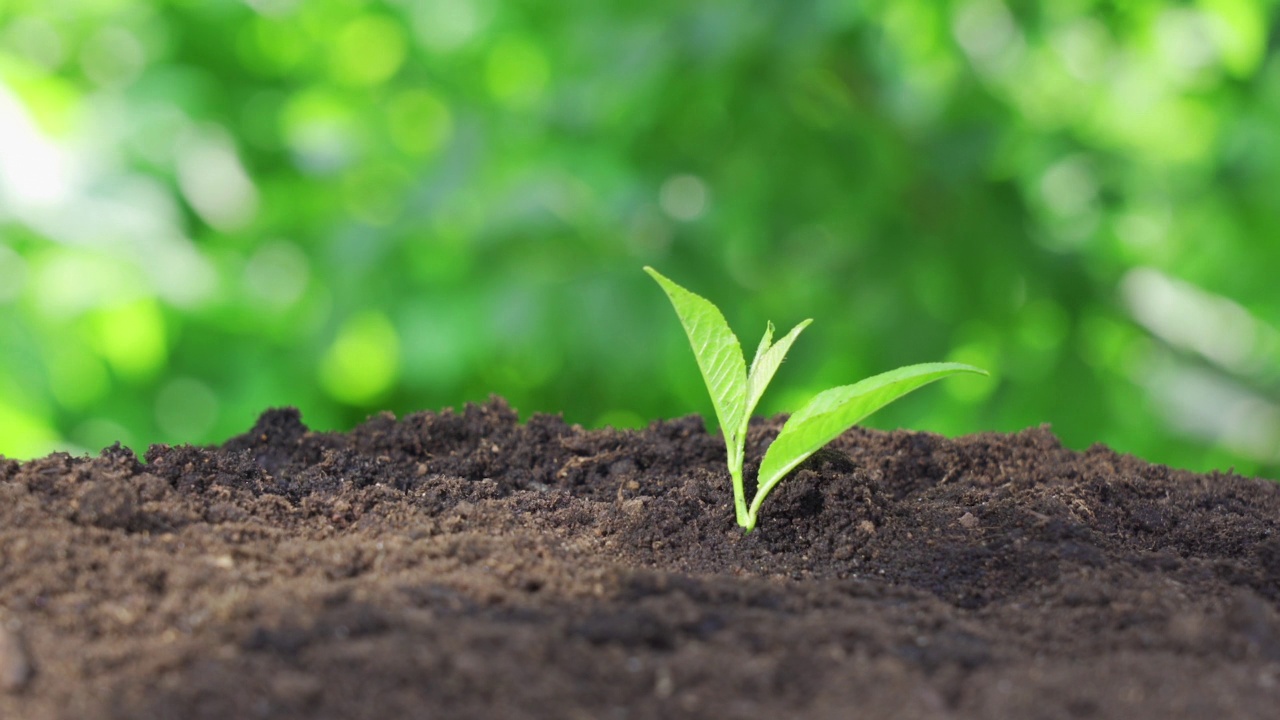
[465, 565]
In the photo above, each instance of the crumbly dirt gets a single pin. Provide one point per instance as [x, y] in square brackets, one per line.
[464, 565]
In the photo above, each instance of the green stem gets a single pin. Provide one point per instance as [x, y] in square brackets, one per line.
[739, 494]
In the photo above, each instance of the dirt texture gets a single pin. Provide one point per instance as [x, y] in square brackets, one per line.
[465, 565]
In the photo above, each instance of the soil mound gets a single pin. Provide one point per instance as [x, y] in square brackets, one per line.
[464, 565]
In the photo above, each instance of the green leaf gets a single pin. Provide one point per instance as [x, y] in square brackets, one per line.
[768, 358]
[718, 353]
[833, 411]
[761, 349]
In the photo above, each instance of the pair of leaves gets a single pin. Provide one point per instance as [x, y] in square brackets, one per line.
[736, 389]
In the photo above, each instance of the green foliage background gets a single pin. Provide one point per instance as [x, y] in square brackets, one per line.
[209, 207]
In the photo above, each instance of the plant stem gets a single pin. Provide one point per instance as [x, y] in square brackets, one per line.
[739, 494]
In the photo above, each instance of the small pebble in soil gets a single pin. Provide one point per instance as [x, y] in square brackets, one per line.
[15, 665]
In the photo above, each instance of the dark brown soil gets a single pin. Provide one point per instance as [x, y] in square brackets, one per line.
[462, 565]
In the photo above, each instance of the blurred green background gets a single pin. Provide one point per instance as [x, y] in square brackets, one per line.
[210, 207]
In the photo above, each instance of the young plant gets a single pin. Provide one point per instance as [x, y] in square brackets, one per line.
[736, 389]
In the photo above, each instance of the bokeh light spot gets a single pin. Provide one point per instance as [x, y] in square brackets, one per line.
[113, 57]
[364, 360]
[130, 337]
[275, 46]
[1043, 325]
[34, 171]
[214, 181]
[320, 131]
[981, 349]
[25, 435]
[35, 40]
[66, 283]
[1068, 186]
[420, 122]
[1185, 41]
[1085, 49]
[96, 433]
[375, 193]
[684, 197]
[517, 71]
[277, 274]
[989, 34]
[368, 51]
[186, 409]
[77, 378]
[1240, 31]
[446, 25]
[13, 275]
[274, 8]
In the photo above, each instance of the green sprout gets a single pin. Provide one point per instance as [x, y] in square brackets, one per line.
[736, 389]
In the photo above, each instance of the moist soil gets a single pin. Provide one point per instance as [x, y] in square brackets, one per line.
[465, 565]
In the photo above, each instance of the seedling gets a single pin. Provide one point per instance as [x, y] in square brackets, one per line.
[735, 389]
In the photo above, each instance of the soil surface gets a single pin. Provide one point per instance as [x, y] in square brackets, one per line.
[464, 565]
